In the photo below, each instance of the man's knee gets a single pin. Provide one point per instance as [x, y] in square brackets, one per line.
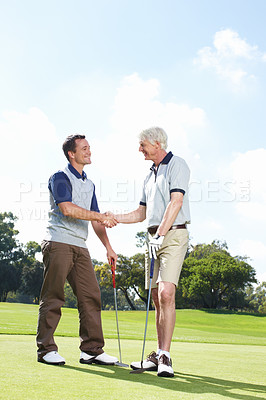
[166, 293]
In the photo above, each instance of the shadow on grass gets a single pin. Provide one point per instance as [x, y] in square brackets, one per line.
[185, 383]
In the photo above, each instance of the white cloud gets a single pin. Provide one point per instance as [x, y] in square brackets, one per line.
[136, 107]
[252, 211]
[245, 208]
[212, 225]
[25, 127]
[248, 171]
[251, 165]
[253, 249]
[261, 277]
[256, 251]
[229, 57]
[228, 44]
[29, 140]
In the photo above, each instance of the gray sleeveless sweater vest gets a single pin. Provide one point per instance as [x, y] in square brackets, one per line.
[66, 229]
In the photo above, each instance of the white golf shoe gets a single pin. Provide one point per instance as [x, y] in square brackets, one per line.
[165, 367]
[150, 364]
[103, 359]
[52, 358]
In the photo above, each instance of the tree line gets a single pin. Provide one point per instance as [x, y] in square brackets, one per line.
[211, 278]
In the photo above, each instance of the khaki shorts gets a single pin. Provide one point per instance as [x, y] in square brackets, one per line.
[170, 258]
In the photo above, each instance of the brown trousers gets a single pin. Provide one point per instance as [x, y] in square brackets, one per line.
[66, 262]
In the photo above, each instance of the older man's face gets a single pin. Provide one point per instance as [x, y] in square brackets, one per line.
[149, 150]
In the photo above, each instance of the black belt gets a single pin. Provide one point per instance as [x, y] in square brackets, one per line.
[153, 229]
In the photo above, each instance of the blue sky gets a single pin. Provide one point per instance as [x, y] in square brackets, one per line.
[109, 69]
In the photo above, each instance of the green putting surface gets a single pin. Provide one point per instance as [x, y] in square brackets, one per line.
[202, 371]
[216, 355]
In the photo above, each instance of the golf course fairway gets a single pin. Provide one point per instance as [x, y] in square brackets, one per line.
[207, 365]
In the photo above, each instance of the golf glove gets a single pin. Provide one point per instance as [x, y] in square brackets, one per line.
[154, 245]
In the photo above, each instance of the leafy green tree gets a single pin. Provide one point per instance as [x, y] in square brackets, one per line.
[141, 238]
[139, 286]
[204, 250]
[70, 298]
[129, 277]
[18, 297]
[210, 276]
[256, 298]
[9, 279]
[138, 277]
[122, 273]
[107, 293]
[11, 255]
[32, 271]
[8, 235]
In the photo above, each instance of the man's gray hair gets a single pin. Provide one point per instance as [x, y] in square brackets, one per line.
[154, 134]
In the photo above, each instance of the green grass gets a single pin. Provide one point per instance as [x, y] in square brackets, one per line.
[202, 371]
[216, 356]
[191, 325]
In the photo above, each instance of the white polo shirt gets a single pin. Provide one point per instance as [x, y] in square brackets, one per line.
[172, 175]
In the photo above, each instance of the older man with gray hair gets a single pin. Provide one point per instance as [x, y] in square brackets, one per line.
[164, 204]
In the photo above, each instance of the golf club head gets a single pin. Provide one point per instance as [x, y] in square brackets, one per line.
[139, 370]
[120, 364]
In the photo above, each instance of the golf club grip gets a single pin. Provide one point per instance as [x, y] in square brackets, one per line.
[113, 275]
[113, 272]
[152, 268]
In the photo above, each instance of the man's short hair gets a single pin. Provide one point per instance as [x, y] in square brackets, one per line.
[70, 144]
[154, 134]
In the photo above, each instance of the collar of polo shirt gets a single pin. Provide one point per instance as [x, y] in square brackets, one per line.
[166, 160]
[76, 173]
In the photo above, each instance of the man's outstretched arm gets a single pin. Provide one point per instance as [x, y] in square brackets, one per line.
[70, 209]
[137, 215]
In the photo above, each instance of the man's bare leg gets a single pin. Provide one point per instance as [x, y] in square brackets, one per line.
[166, 314]
[157, 316]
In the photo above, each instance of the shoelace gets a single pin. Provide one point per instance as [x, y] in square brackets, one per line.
[165, 360]
[152, 356]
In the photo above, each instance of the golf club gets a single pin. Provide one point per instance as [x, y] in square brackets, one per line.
[120, 364]
[141, 369]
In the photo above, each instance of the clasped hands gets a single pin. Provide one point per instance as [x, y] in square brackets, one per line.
[109, 220]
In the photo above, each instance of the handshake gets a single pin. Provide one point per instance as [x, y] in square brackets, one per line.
[108, 219]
